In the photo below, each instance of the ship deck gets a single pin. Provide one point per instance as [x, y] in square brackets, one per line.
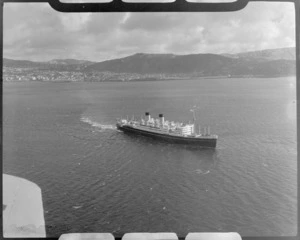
[159, 131]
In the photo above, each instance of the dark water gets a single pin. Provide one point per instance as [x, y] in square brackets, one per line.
[97, 179]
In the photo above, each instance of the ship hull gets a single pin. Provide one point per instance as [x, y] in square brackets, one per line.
[198, 141]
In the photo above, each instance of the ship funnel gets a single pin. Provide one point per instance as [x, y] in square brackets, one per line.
[162, 119]
[147, 114]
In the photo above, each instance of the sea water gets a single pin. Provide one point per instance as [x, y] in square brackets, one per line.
[94, 178]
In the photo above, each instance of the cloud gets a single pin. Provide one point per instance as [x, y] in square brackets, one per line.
[152, 21]
[75, 22]
[30, 28]
[38, 32]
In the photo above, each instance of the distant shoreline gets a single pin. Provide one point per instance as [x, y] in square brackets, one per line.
[270, 63]
[153, 80]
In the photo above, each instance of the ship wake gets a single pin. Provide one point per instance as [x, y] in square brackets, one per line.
[98, 125]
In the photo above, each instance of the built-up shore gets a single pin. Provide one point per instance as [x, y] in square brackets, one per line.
[30, 74]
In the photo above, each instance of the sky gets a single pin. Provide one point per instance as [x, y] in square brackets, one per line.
[35, 31]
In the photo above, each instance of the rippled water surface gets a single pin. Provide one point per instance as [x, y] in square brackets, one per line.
[96, 179]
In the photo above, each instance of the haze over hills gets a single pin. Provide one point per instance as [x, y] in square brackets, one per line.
[265, 63]
[267, 54]
[60, 63]
[70, 62]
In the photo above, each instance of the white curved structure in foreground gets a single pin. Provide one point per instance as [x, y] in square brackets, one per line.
[23, 213]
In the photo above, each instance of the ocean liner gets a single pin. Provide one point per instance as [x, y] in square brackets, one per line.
[170, 131]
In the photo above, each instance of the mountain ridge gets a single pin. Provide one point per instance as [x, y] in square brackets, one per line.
[266, 63]
[253, 54]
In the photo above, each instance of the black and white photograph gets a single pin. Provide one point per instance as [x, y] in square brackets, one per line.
[149, 122]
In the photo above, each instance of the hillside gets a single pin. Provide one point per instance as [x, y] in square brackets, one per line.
[55, 64]
[204, 64]
[164, 63]
[142, 66]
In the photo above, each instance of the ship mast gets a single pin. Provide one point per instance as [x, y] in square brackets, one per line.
[194, 116]
[194, 120]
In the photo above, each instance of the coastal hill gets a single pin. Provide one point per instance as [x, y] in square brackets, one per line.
[164, 63]
[60, 64]
[142, 66]
[203, 64]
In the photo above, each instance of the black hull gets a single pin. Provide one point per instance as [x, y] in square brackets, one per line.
[203, 142]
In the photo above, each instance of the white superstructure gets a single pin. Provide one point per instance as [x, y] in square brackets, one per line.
[161, 125]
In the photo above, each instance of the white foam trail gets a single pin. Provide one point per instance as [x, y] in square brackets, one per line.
[96, 124]
[199, 171]
[76, 207]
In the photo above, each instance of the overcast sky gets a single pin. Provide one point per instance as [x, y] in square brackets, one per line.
[37, 32]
